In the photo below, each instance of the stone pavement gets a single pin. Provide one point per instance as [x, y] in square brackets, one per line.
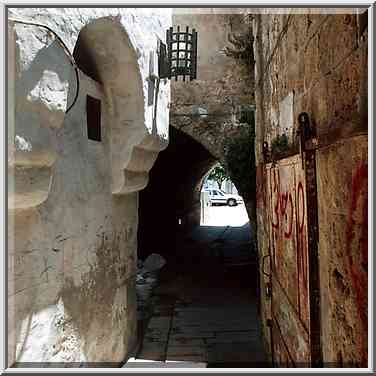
[205, 308]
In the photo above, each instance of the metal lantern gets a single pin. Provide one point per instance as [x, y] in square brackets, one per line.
[179, 57]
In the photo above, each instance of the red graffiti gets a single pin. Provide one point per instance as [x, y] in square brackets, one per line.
[358, 266]
[283, 207]
[276, 207]
[287, 202]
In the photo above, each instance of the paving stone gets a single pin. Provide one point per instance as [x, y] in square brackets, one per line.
[186, 332]
[187, 353]
[217, 314]
[232, 337]
[159, 321]
[213, 320]
[156, 334]
[184, 364]
[150, 355]
[155, 340]
[187, 357]
[186, 342]
[151, 351]
[187, 336]
[216, 326]
[143, 363]
[234, 352]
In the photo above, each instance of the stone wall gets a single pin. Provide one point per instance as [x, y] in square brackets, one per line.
[316, 62]
[208, 109]
[73, 201]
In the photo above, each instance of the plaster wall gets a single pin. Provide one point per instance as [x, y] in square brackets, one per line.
[73, 202]
[143, 27]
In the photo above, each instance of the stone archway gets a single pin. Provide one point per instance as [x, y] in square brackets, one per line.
[173, 195]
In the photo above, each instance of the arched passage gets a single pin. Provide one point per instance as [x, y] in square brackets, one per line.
[172, 197]
[206, 303]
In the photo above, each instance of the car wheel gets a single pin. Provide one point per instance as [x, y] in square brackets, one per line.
[231, 202]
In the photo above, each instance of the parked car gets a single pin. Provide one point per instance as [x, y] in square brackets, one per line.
[216, 196]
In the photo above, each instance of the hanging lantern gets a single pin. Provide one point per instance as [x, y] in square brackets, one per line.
[179, 57]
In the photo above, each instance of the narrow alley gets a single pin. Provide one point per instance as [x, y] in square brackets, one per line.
[205, 308]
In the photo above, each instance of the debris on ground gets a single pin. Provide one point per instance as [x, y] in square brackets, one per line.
[153, 262]
[146, 281]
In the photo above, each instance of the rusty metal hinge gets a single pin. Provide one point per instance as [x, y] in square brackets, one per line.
[307, 135]
[268, 290]
[309, 145]
[263, 265]
[265, 152]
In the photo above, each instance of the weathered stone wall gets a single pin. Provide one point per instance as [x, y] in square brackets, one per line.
[208, 108]
[309, 61]
[73, 202]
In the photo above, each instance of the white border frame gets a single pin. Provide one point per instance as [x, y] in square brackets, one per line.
[171, 3]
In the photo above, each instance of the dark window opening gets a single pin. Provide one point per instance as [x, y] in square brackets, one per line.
[93, 114]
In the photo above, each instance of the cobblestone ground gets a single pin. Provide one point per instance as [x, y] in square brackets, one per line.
[205, 308]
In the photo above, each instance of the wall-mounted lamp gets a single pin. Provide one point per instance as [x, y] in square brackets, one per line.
[179, 56]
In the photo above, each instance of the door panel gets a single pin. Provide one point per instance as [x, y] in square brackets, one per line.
[290, 305]
[282, 358]
[286, 322]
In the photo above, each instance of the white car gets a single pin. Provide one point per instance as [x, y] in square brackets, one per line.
[216, 196]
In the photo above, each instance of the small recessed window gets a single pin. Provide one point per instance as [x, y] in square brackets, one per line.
[93, 116]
